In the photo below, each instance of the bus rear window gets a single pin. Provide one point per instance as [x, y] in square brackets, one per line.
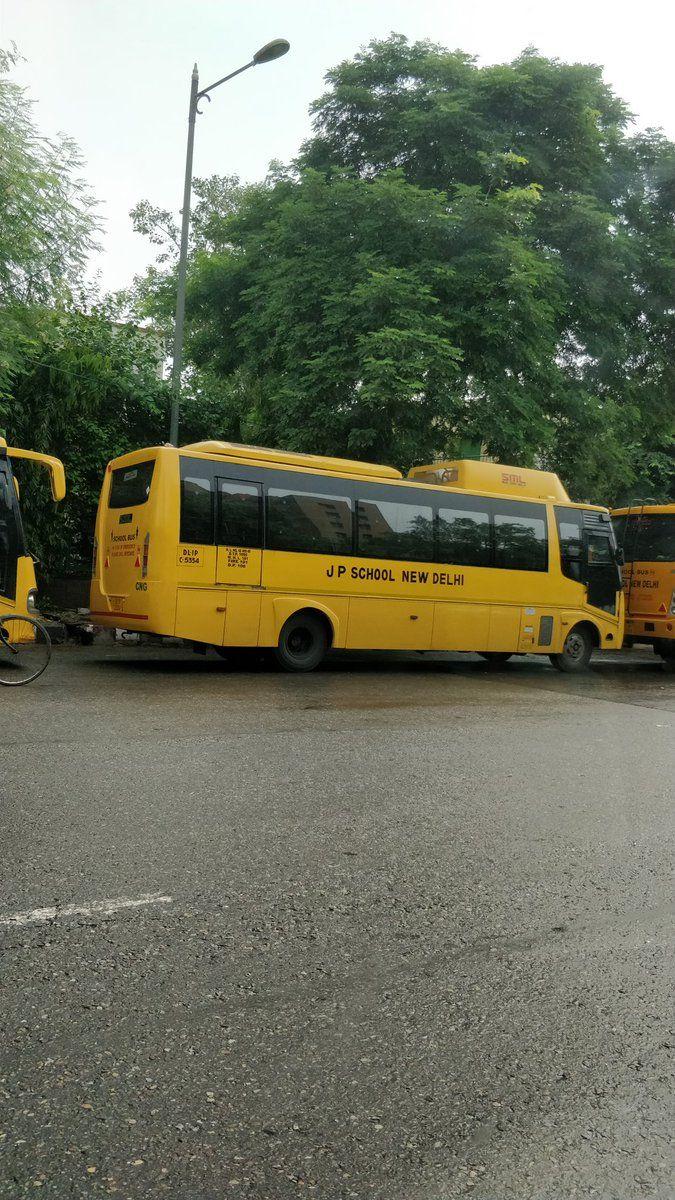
[647, 537]
[131, 485]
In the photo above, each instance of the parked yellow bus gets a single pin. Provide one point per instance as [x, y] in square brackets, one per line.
[646, 534]
[18, 590]
[236, 546]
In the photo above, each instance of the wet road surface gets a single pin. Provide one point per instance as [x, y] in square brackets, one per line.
[398, 929]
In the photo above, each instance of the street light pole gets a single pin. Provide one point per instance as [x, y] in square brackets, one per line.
[266, 54]
[182, 262]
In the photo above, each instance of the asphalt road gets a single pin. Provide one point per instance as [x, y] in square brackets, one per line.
[403, 931]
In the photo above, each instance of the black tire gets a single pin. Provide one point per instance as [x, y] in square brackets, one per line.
[666, 651]
[495, 658]
[576, 652]
[22, 658]
[303, 642]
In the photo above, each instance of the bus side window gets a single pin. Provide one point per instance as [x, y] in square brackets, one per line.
[599, 548]
[308, 522]
[570, 535]
[521, 542]
[464, 534]
[389, 527]
[196, 510]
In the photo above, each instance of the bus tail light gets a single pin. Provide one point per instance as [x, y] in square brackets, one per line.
[146, 552]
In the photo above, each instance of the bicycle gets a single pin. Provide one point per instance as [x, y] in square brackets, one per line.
[24, 652]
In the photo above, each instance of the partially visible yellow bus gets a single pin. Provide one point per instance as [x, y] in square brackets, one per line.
[18, 590]
[237, 546]
[646, 534]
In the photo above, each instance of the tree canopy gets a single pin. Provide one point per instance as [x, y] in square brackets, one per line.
[458, 252]
[604, 221]
[89, 390]
[47, 218]
[76, 380]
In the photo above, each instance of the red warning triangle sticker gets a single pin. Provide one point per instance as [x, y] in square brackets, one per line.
[107, 561]
[138, 561]
[662, 608]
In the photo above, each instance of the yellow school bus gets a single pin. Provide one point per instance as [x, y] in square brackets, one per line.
[646, 534]
[18, 591]
[237, 546]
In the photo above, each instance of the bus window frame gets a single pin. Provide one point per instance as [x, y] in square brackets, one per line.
[357, 489]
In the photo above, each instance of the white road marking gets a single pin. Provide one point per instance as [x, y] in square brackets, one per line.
[103, 908]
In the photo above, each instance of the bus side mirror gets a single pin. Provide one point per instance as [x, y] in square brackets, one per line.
[619, 556]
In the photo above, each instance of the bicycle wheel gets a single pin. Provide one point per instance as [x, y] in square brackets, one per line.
[25, 650]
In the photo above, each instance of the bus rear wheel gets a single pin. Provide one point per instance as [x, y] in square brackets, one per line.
[303, 642]
[576, 652]
[496, 658]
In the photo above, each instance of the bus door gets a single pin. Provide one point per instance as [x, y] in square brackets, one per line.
[603, 575]
[239, 522]
[238, 532]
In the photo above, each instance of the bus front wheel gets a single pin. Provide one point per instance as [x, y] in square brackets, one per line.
[303, 642]
[576, 651]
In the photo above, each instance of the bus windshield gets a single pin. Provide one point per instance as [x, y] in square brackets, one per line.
[9, 532]
[647, 537]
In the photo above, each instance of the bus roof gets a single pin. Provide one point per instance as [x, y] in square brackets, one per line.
[637, 508]
[496, 478]
[341, 466]
[484, 478]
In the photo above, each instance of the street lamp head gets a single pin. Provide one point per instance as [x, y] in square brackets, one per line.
[271, 51]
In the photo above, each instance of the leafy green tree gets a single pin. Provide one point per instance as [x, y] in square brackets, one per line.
[372, 318]
[76, 380]
[605, 218]
[47, 219]
[459, 253]
[90, 389]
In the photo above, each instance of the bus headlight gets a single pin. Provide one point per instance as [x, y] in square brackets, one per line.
[31, 601]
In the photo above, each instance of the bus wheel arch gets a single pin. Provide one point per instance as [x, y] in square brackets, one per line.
[304, 638]
[580, 642]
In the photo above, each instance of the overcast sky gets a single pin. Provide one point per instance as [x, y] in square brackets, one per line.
[115, 74]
